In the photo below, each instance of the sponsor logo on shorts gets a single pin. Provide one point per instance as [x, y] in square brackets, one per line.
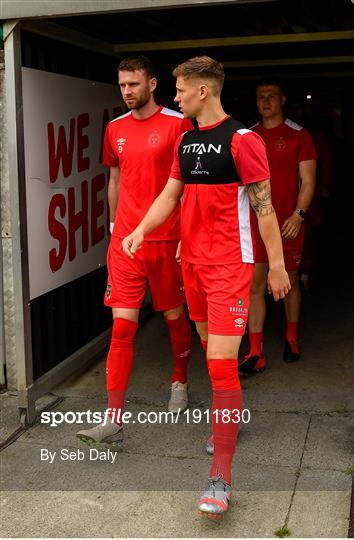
[108, 290]
[237, 309]
[239, 322]
[297, 260]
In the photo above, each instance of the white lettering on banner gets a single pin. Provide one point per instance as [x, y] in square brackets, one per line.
[66, 183]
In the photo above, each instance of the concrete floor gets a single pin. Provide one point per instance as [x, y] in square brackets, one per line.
[292, 463]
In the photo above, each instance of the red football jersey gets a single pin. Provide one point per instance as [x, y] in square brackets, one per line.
[287, 145]
[143, 151]
[215, 220]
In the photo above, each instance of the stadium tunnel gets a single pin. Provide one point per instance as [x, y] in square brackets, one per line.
[48, 336]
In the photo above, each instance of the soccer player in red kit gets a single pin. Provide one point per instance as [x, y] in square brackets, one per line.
[220, 167]
[138, 148]
[292, 163]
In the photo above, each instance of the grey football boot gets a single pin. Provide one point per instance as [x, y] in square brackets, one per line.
[108, 435]
[179, 397]
[215, 500]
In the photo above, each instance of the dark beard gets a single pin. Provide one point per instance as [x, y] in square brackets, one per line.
[139, 103]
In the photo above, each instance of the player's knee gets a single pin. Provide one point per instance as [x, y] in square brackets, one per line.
[124, 330]
[223, 374]
[175, 313]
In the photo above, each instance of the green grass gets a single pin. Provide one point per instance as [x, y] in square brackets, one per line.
[341, 409]
[350, 471]
[282, 532]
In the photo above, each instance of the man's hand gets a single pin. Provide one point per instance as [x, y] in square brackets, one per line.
[291, 226]
[278, 282]
[132, 242]
[178, 253]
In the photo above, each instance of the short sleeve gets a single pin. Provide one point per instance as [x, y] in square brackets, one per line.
[109, 157]
[175, 169]
[249, 152]
[307, 149]
[187, 125]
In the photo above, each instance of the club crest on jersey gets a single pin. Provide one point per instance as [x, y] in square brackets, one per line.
[154, 139]
[280, 144]
[120, 143]
[201, 148]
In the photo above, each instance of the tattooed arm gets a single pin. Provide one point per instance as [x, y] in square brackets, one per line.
[260, 198]
[259, 194]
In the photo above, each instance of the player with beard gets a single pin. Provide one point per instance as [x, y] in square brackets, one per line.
[138, 148]
[220, 167]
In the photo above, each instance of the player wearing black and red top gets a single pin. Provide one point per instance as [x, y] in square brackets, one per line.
[219, 168]
[291, 156]
[138, 148]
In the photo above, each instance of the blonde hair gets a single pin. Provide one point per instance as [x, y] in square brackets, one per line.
[202, 67]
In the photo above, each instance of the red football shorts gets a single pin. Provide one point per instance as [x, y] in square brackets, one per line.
[154, 264]
[219, 294]
[292, 250]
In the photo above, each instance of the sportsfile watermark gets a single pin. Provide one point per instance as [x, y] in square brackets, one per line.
[172, 454]
[190, 416]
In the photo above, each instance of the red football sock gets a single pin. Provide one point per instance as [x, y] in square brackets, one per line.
[256, 343]
[204, 344]
[119, 365]
[180, 337]
[292, 332]
[227, 394]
